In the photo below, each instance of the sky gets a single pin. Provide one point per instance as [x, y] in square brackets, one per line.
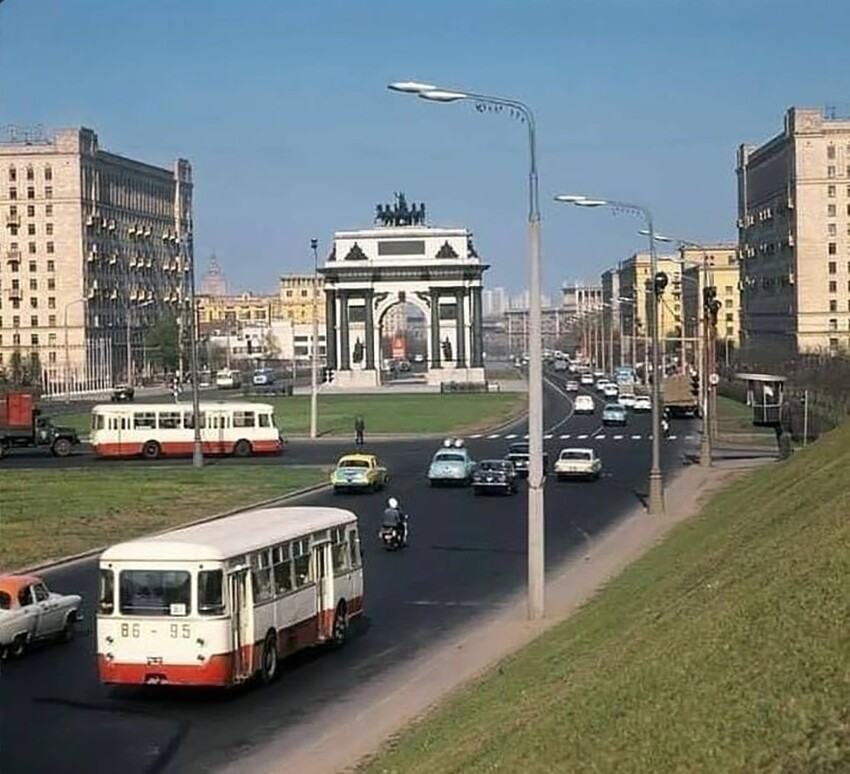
[282, 109]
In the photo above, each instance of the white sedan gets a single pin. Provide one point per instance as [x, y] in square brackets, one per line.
[30, 612]
[571, 386]
[643, 403]
[584, 404]
[578, 463]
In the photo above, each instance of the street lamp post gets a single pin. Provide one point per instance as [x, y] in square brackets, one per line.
[517, 109]
[187, 250]
[656, 482]
[314, 350]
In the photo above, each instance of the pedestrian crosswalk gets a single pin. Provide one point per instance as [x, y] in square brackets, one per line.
[599, 436]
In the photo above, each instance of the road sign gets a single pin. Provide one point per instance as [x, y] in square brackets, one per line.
[714, 380]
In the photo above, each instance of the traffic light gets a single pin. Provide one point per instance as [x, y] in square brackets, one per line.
[710, 302]
[661, 281]
[695, 384]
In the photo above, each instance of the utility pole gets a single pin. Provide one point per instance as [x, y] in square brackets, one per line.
[314, 349]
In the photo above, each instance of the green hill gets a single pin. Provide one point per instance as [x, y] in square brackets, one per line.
[725, 649]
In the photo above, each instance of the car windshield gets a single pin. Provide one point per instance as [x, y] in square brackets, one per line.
[614, 408]
[492, 465]
[449, 457]
[354, 464]
[576, 455]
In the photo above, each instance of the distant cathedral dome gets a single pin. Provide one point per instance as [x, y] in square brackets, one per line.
[214, 282]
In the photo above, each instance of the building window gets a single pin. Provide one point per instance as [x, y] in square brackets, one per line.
[31, 248]
[30, 192]
[33, 303]
[831, 267]
[832, 248]
[33, 266]
[49, 248]
[830, 210]
[13, 174]
[34, 339]
[51, 321]
[830, 151]
[48, 210]
[48, 173]
[728, 303]
[51, 283]
[833, 324]
[833, 286]
[34, 321]
[48, 192]
[30, 229]
[51, 356]
[833, 305]
[730, 317]
[16, 339]
[48, 229]
[51, 303]
[16, 321]
[51, 265]
[30, 173]
[830, 172]
[13, 193]
[30, 210]
[830, 191]
[831, 229]
[729, 290]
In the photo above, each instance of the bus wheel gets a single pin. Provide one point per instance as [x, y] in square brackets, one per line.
[339, 633]
[268, 667]
[241, 448]
[151, 450]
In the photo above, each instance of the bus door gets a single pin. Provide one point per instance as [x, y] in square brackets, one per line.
[323, 574]
[241, 624]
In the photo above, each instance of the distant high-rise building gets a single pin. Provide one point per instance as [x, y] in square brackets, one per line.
[794, 236]
[494, 302]
[521, 301]
[213, 281]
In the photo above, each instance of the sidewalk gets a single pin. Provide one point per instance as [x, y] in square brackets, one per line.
[351, 727]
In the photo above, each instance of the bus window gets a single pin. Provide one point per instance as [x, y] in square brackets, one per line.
[301, 561]
[264, 420]
[144, 419]
[261, 575]
[106, 605]
[210, 592]
[169, 420]
[97, 421]
[282, 569]
[354, 547]
[154, 592]
[243, 419]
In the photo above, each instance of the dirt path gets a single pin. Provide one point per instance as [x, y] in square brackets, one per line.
[356, 726]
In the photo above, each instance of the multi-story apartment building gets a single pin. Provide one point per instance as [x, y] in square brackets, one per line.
[715, 265]
[579, 298]
[95, 247]
[231, 312]
[295, 298]
[794, 237]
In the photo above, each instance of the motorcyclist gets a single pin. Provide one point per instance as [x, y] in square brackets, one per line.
[396, 518]
[665, 422]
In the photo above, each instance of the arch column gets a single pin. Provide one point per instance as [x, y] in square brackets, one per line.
[436, 354]
[369, 295]
[344, 344]
[330, 330]
[477, 329]
[460, 327]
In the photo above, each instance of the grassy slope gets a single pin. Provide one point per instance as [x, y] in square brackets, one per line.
[725, 649]
[385, 413]
[53, 513]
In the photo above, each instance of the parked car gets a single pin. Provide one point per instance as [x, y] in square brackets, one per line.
[518, 456]
[452, 464]
[359, 472]
[584, 404]
[494, 476]
[30, 612]
[578, 463]
[614, 414]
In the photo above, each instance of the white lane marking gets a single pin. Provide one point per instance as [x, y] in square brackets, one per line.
[526, 436]
[690, 437]
[512, 435]
[491, 437]
[582, 436]
[618, 437]
[635, 437]
[569, 400]
[477, 435]
[600, 437]
[672, 437]
[548, 437]
[565, 436]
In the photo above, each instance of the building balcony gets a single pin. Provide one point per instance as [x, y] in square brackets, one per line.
[13, 256]
[13, 220]
[16, 294]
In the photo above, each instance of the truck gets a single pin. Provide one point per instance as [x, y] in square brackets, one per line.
[678, 396]
[23, 425]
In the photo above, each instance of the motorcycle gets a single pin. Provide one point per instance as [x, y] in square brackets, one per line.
[393, 538]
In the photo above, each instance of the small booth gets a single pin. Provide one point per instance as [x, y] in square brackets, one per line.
[766, 396]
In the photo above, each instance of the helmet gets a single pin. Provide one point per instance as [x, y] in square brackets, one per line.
[392, 503]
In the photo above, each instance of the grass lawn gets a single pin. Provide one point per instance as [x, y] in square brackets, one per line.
[725, 649]
[53, 513]
[734, 423]
[405, 413]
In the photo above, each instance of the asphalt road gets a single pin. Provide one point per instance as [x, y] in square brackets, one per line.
[466, 555]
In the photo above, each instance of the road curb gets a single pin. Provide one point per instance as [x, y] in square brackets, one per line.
[54, 563]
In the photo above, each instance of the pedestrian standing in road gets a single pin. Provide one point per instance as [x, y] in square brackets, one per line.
[359, 429]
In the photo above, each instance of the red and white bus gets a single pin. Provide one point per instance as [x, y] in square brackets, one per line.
[217, 603]
[153, 430]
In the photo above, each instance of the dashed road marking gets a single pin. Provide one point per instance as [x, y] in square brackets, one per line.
[548, 437]
[635, 437]
[618, 437]
[477, 435]
[565, 436]
[495, 435]
[511, 436]
[582, 436]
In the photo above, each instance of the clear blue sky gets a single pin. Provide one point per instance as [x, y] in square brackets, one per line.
[281, 107]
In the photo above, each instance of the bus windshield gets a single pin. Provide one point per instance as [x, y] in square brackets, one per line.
[155, 592]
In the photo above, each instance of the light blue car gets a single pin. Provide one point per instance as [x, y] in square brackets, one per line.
[451, 465]
[614, 414]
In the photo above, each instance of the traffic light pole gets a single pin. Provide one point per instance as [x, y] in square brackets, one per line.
[711, 306]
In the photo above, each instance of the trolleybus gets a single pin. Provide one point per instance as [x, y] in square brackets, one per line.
[217, 603]
[152, 430]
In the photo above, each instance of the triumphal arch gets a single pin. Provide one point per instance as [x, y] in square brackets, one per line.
[401, 260]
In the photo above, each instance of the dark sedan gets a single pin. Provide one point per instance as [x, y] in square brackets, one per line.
[518, 456]
[494, 476]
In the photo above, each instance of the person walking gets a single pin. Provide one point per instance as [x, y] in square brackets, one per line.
[359, 429]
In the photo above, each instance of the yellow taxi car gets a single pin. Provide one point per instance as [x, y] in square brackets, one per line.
[359, 472]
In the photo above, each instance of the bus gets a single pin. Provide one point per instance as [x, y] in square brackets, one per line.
[218, 603]
[153, 430]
